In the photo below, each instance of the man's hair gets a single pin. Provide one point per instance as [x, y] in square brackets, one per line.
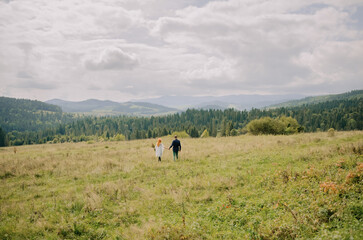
[176, 136]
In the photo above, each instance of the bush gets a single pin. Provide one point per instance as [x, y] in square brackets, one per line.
[205, 134]
[331, 132]
[291, 125]
[119, 137]
[267, 125]
[182, 134]
[233, 132]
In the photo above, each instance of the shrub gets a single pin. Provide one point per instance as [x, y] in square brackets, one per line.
[290, 124]
[331, 132]
[267, 125]
[119, 137]
[243, 130]
[233, 132]
[182, 134]
[205, 134]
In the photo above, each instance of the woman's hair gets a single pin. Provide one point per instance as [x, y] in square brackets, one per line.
[158, 143]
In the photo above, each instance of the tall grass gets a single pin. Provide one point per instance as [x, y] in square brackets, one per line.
[305, 186]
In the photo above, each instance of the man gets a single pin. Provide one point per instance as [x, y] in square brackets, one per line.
[176, 147]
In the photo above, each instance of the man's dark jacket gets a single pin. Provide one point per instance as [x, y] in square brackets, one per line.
[176, 145]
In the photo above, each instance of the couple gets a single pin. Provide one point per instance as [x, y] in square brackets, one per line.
[159, 148]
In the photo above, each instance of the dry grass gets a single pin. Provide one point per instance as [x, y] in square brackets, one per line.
[257, 187]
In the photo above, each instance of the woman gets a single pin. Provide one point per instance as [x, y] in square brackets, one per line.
[159, 148]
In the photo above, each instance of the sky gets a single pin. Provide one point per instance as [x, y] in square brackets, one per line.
[135, 49]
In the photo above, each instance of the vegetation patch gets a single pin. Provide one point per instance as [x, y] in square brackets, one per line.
[243, 187]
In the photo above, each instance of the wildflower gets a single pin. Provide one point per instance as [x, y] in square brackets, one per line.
[329, 187]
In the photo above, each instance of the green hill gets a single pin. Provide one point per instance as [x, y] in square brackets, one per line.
[29, 115]
[356, 94]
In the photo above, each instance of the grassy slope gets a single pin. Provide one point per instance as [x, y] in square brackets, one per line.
[248, 187]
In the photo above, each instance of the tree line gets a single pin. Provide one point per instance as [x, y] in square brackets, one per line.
[337, 114]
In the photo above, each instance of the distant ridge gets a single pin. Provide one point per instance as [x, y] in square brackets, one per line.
[355, 94]
[106, 107]
[239, 102]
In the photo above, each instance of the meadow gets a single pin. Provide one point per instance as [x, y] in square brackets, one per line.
[303, 186]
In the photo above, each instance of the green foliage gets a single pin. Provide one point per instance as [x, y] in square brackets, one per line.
[338, 114]
[181, 134]
[3, 139]
[193, 132]
[28, 115]
[352, 95]
[290, 124]
[233, 132]
[266, 125]
[205, 134]
[331, 132]
[119, 137]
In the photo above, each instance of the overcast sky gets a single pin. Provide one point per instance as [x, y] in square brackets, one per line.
[129, 49]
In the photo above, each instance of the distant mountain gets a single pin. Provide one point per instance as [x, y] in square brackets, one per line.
[356, 94]
[99, 107]
[239, 102]
[214, 105]
[83, 106]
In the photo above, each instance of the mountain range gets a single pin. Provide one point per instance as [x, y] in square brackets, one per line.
[169, 104]
[100, 107]
[240, 102]
[172, 104]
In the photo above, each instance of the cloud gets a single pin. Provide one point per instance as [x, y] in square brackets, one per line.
[23, 74]
[34, 84]
[84, 49]
[263, 38]
[213, 69]
[111, 59]
[333, 62]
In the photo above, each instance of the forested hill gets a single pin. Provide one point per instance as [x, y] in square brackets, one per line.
[28, 122]
[356, 94]
[337, 114]
[30, 115]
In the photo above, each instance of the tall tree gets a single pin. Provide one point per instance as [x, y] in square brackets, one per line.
[2, 138]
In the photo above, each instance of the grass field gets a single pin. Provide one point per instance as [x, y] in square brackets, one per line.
[305, 186]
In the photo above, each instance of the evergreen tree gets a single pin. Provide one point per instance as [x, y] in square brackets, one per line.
[2, 138]
[194, 132]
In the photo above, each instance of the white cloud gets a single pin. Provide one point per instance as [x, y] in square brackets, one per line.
[213, 69]
[111, 59]
[335, 62]
[102, 48]
[263, 37]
